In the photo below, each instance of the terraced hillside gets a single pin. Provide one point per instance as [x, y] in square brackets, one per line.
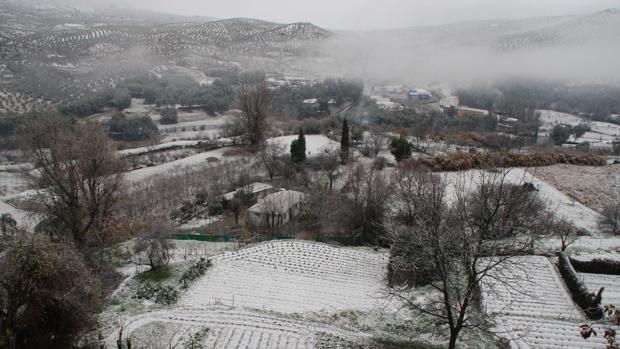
[293, 276]
[257, 298]
[532, 307]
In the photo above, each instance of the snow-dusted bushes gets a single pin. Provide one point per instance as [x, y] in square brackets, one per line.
[596, 266]
[164, 295]
[589, 302]
[194, 272]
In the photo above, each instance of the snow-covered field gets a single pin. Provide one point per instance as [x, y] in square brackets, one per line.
[550, 118]
[12, 183]
[293, 277]
[611, 294]
[602, 135]
[253, 298]
[229, 328]
[532, 307]
[141, 174]
[582, 216]
[530, 287]
[314, 143]
[194, 129]
[162, 146]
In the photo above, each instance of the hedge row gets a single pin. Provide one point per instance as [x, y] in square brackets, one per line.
[597, 266]
[462, 161]
[589, 302]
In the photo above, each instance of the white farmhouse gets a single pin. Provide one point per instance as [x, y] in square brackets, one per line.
[276, 209]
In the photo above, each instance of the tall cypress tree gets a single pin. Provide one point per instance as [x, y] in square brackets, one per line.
[298, 148]
[344, 141]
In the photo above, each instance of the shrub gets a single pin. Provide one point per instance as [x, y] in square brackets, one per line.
[589, 302]
[194, 272]
[401, 148]
[168, 116]
[146, 291]
[122, 128]
[165, 295]
[196, 340]
[597, 266]
[611, 218]
[391, 343]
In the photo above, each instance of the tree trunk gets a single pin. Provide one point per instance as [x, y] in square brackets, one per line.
[454, 335]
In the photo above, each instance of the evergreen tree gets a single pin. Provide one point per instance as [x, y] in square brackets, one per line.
[344, 141]
[401, 148]
[298, 148]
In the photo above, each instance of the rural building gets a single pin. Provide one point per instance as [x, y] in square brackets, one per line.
[276, 209]
[389, 89]
[420, 95]
[384, 103]
[255, 190]
[467, 111]
[449, 102]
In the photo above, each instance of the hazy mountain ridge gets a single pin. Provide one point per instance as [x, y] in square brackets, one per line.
[598, 27]
[29, 30]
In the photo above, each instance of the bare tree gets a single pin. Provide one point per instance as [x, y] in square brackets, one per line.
[154, 244]
[270, 158]
[369, 192]
[562, 229]
[454, 247]
[254, 100]
[411, 185]
[375, 141]
[78, 175]
[611, 218]
[328, 162]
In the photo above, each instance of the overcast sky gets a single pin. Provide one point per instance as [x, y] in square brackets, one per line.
[373, 14]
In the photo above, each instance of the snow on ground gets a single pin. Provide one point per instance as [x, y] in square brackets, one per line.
[12, 183]
[210, 123]
[530, 287]
[611, 294]
[190, 135]
[163, 146]
[253, 298]
[228, 328]
[197, 223]
[550, 118]
[138, 107]
[23, 218]
[532, 307]
[582, 216]
[605, 128]
[314, 143]
[602, 134]
[143, 173]
[293, 277]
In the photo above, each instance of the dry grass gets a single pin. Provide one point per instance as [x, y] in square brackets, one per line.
[593, 186]
[462, 161]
